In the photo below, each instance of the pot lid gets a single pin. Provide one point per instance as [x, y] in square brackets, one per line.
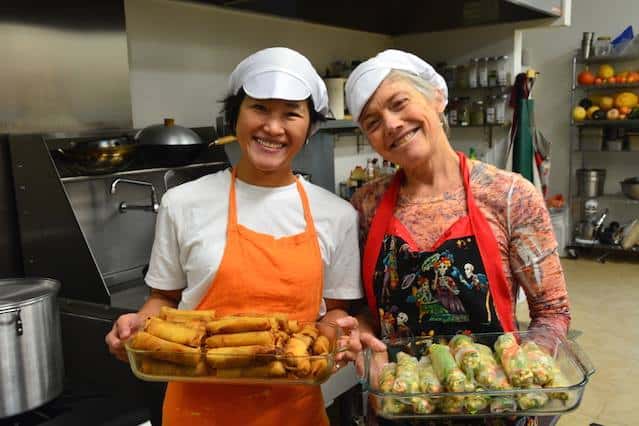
[16, 292]
[167, 133]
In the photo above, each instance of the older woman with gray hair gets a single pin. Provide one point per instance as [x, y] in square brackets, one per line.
[447, 241]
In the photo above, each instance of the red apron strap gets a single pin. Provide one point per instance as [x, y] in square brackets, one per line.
[491, 258]
[379, 224]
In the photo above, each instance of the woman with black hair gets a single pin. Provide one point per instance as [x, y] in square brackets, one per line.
[254, 239]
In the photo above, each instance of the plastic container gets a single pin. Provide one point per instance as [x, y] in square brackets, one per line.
[463, 112]
[452, 112]
[461, 76]
[502, 73]
[567, 355]
[473, 73]
[633, 141]
[614, 145]
[603, 46]
[492, 71]
[491, 117]
[483, 72]
[591, 139]
[500, 109]
[477, 113]
[274, 367]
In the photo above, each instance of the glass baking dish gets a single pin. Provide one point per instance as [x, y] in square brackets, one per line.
[272, 366]
[547, 401]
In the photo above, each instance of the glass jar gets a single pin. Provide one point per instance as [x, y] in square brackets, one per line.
[483, 72]
[477, 112]
[492, 71]
[502, 74]
[473, 73]
[450, 72]
[490, 110]
[463, 112]
[500, 109]
[602, 46]
[462, 77]
[452, 112]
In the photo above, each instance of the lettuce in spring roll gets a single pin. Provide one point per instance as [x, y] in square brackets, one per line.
[541, 364]
[446, 369]
[465, 353]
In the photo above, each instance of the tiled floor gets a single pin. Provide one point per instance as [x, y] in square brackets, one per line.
[604, 303]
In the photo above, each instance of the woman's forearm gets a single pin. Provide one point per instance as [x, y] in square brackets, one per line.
[157, 299]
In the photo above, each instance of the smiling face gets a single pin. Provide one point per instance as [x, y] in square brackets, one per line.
[401, 124]
[270, 133]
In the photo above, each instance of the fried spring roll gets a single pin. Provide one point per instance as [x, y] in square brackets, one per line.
[319, 368]
[249, 338]
[310, 331]
[296, 351]
[177, 315]
[174, 332]
[281, 337]
[272, 369]
[238, 325]
[321, 346]
[238, 356]
[165, 350]
[293, 326]
[153, 367]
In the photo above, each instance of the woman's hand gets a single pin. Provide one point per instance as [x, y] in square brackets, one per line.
[123, 328]
[354, 341]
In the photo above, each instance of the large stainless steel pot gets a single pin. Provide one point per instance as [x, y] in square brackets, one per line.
[31, 370]
[590, 182]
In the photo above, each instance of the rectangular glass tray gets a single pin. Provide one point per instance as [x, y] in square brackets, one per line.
[154, 366]
[568, 356]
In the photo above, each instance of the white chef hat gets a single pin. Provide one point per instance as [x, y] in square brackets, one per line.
[368, 75]
[279, 73]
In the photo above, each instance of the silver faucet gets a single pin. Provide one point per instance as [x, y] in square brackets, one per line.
[124, 207]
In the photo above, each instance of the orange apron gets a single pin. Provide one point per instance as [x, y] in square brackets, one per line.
[258, 274]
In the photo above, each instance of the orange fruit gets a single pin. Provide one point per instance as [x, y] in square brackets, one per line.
[624, 110]
[622, 80]
[631, 79]
[611, 80]
[598, 80]
[586, 77]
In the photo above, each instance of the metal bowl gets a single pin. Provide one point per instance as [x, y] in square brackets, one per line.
[630, 188]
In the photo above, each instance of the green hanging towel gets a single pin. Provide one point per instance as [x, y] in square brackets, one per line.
[523, 151]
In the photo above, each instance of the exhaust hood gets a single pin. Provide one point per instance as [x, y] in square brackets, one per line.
[400, 17]
[68, 67]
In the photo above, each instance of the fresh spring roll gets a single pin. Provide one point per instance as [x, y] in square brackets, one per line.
[513, 360]
[238, 325]
[503, 404]
[476, 402]
[489, 373]
[321, 346]
[249, 338]
[428, 381]
[559, 380]
[164, 350]
[272, 369]
[296, 352]
[453, 379]
[174, 332]
[177, 315]
[238, 356]
[465, 353]
[387, 377]
[423, 405]
[452, 405]
[154, 367]
[406, 376]
[541, 364]
[532, 399]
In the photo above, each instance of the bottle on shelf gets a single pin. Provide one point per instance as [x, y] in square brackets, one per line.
[473, 73]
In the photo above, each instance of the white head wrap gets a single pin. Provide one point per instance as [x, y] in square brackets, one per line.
[368, 75]
[279, 73]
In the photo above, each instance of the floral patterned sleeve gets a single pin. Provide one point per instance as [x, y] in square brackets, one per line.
[534, 259]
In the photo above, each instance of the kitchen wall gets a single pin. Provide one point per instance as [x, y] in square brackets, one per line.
[550, 51]
[180, 55]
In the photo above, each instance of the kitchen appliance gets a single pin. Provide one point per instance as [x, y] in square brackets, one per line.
[168, 144]
[95, 156]
[630, 187]
[31, 366]
[590, 182]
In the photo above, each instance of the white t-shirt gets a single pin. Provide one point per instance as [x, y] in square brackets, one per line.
[190, 234]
